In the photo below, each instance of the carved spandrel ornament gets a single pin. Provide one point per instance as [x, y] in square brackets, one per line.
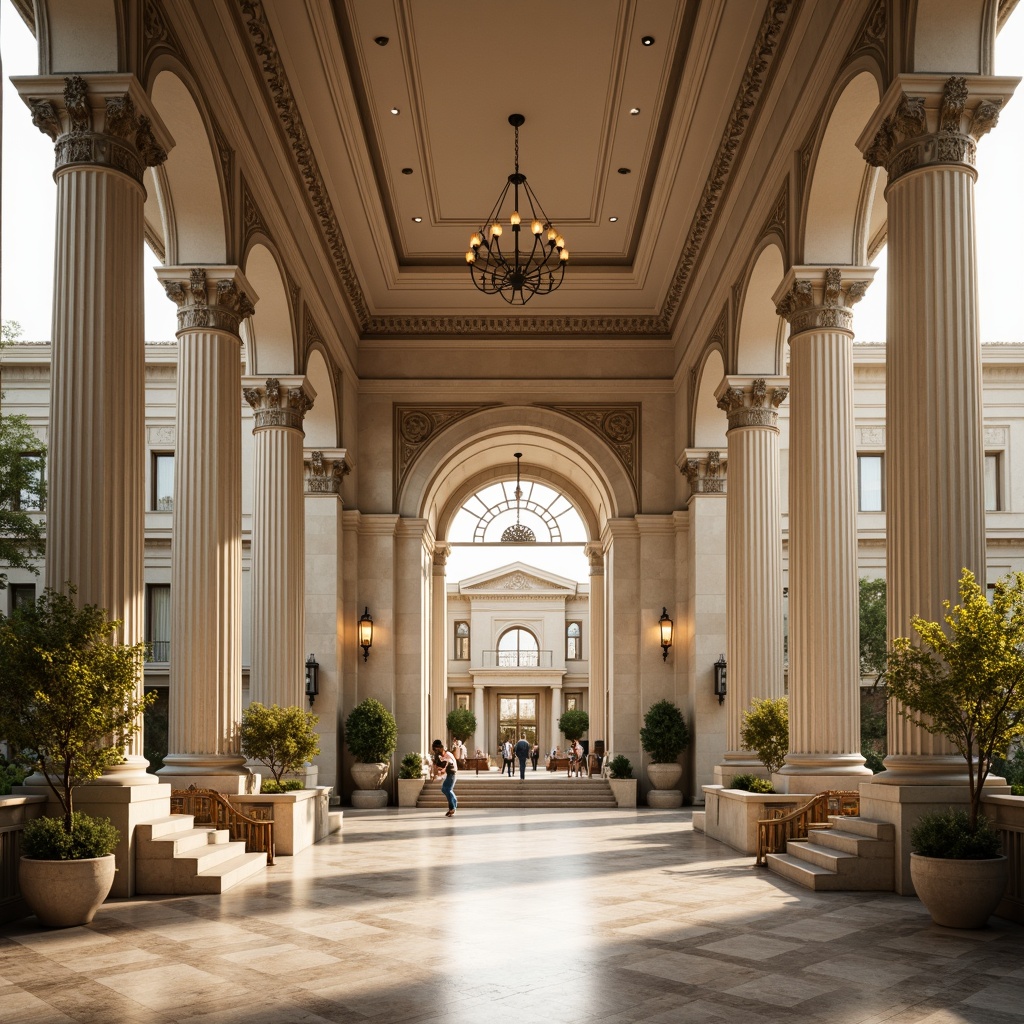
[275, 405]
[101, 127]
[216, 305]
[932, 129]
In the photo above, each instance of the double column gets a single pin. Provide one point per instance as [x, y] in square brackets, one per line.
[753, 552]
[597, 702]
[106, 134]
[824, 651]
[925, 133]
[279, 404]
[206, 563]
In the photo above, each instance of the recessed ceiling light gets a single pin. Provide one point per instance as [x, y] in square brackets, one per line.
[634, 111]
[417, 220]
[407, 170]
[647, 40]
[624, 170]
[395, 110]
[613, 219]
[381, 40]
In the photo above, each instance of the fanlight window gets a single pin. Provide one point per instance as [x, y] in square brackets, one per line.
[486, 515]
[518, 648]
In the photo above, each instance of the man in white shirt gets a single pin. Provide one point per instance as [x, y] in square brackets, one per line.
[506, 758]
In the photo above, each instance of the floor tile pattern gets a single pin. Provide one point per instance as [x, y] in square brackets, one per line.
[532, 916]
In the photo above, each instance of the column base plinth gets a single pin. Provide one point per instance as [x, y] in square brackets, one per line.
[131, 772]
[739, 762]
[923, 770]
[825, 764]
[224, 773]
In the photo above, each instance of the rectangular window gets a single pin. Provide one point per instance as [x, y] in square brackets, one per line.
[573, 641]
[572, 702]
[158, 621]
[21, 595]
[30, 490]
[462, 701]
[870, 480]
[461, 652]
[993, 482]
[163, 481]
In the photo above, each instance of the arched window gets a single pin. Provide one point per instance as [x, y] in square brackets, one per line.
[461, 652]
[485, 515]
[573, 641]
[518, 648]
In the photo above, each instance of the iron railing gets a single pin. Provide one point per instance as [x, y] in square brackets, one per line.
[211, 808]
[517, 659]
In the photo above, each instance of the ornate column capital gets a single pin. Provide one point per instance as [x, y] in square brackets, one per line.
[926, 120]
[752, 401]
[323, 469]
[815, 298]
[214, 298]
[442, 549]
[104, 120]
[594, 551]
[705, 470]
[278, 401]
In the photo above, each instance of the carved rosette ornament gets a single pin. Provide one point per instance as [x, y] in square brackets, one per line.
[929, 120]
[206, 298]
[705, 470]
[752, 401]
[324, 469]
[821, 298]
[98, 121]
[280, 402]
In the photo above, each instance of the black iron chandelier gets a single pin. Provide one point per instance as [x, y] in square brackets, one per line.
[519, 275]
[518, 534]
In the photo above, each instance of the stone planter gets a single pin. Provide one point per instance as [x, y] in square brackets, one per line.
[409, 791]
[65, 893]
[959, 893]
[663, 778]
[624, 791]
[368, 777]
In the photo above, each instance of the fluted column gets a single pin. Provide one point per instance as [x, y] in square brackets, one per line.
[556, 714]
[753, 516]
[439, 647]
[206, 553]
[595, 645]
[824, 621]
[924, 133]
[279, 404]
[106, 135]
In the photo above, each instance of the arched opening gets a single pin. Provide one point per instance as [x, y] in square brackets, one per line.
[518, 647]
[761, 330]
[271, 346]
[709, 422]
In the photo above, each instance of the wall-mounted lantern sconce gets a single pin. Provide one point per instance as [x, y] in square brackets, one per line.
[720, 679]
[312, 678]
[366, 633]
[665, 625]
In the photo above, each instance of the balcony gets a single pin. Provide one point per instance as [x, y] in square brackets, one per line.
[517, 659]
[159, 651]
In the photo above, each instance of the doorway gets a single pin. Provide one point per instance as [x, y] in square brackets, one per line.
[517, 716]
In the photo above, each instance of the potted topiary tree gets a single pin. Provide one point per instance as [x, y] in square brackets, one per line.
[573, 724]
[620, 778]
[410, 779]
[664, 737]
[69, 702]
[765, 730]
[461, 723]
[372, 736]
[964, 682]
[282, 739]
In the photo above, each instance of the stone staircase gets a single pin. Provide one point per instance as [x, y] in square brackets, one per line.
[175, 858]
[494, 790]
[854, 855]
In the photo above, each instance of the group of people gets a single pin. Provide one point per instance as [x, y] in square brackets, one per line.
[521, 751]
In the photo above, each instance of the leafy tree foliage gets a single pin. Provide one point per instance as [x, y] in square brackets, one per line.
[873, 643]
[68, 696]
[461, 723]
[664, 734]
[21, 536]
[766, 731]
[573, 723]
[411, 766]
[283, 739]
[371, 732]
[966, 681]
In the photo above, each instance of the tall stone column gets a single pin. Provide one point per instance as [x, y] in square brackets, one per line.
[439, 645]
[556, 714]
[324, 597]
[206, 554]
[753, 517]
[597, 701]
[480, 736]
[824, 619]
[924, 133]
[279, 404]
[106, 134]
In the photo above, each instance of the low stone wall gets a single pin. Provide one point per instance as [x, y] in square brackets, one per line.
[1007, 812]
[14, 812]
[301, 817]
[731, 815]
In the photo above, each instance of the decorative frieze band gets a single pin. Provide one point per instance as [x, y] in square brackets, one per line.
[705, 469]
[279, 401]
[97, 120]
[752, 401]
[926, 120]
[821, 298]
[323, 470]
[217, 298]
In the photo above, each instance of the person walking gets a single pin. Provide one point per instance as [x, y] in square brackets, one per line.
[444, 764]
[522, 752]
[506, 758]
[535, 755]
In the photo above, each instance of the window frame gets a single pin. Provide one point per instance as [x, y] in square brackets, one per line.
[14, 601]
[39, 458]
[578, 656]
[461, 643]
[998, 459]
[880, 456]
[150, 620]
[155, 456]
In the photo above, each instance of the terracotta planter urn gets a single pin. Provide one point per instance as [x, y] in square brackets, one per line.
[65, 893]
[959, 893]
[664, 777]
[369, 777]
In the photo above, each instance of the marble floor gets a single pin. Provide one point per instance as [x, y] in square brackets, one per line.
[525, 917]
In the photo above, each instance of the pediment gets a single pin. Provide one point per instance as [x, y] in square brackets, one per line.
[518, 578]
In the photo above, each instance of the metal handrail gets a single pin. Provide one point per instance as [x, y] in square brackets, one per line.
[517, 659]
[209, 807]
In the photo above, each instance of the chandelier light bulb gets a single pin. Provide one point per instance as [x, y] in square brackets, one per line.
[552, 234]
[559, 242]
[515, 219]
[471, 256]
[564, 255]
[495, 229]
[474, 240]
[536, 227]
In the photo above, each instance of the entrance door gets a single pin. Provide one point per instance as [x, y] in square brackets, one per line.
[517, 716]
